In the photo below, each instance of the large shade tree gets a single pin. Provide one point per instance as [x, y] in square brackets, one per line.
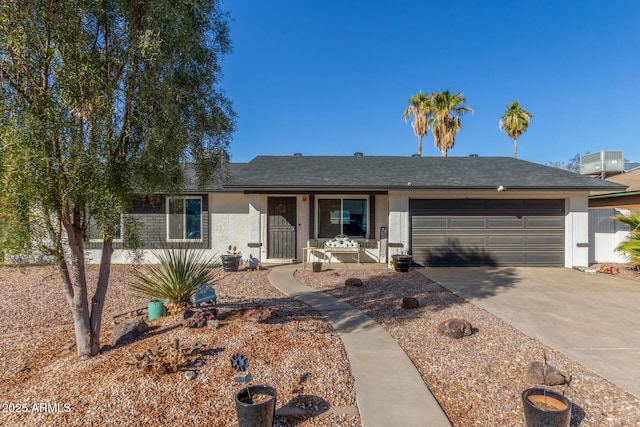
[101, 102]
[514, 123]
[419, 109]
[446, 109]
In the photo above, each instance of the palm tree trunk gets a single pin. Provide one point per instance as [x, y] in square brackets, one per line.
[420, 145]
[515, 148]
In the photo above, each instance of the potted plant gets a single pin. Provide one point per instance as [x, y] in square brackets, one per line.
[256, 404]
[545, 408]
[401, 262]
[231, 261]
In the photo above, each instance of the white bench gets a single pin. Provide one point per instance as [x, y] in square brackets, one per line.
[205, 293]
[342, 244]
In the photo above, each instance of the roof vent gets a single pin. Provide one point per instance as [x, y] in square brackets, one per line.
[297, 154]
[358, 154]
[473, 155]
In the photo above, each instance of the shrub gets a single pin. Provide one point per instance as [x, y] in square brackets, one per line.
[631, 246]
[177, 276]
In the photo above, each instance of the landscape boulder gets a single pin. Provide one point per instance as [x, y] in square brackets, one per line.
[408, 303]
[128, 331]
[353, 281]
[256, 314]
[455, 328]
[534, 374]
[199, 318]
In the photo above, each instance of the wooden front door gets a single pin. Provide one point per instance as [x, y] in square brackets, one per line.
[281, 227]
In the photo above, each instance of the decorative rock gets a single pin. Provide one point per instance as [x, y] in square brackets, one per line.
[190, 375]
[353, 281]
[128, 331]
[257, 314]
[213, 324]
[455, 328]
[197, 319]
[408, 303]
[534, 374]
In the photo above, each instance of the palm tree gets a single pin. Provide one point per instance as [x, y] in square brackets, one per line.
[515, 122]
[446, 109]
[419, 109]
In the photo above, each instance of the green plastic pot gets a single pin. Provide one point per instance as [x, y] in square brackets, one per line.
[156, 309]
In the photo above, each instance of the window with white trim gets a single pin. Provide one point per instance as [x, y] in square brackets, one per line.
[342, 216]
[94, 232]
[184, 218]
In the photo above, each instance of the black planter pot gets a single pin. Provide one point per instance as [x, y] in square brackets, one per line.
[317, 266]
[401, 263]
[545, 408]
[230, 262]
[260, 414]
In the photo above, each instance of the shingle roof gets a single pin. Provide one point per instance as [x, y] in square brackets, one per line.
[381, 173]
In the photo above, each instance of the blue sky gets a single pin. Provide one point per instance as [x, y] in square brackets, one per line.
[333, 77]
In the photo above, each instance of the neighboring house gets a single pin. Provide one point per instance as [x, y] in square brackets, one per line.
[442, 210]
[605, 233]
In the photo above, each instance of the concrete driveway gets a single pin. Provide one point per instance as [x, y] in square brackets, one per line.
[592, 318]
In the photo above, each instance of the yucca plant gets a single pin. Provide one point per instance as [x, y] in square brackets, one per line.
[631, 246]
[177, 276]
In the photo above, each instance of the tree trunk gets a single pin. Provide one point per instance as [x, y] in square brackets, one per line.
[515, 148]
[420, 145]
[97, 302]
[77, 285]
[443, 152]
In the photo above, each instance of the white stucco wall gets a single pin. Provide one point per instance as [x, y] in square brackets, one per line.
[577, 231]
[235, 221]
[605, 235]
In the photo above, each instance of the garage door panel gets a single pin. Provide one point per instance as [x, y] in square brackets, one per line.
[506, 240]
[505, 223]
[467, 222]
[545, 222]
[543, 258]
[487, 232]
[550, 241]
[420, 222]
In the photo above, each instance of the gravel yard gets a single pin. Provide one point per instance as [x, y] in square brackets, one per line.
[295, 351]
[477, 379]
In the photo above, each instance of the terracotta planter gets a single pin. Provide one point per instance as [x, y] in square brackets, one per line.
[545, 408]
[258, 410]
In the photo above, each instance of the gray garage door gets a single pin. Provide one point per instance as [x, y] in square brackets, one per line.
[487, 232]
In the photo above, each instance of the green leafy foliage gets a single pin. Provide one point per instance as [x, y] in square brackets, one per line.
[177, 276]
[631, 246]
[101, 102]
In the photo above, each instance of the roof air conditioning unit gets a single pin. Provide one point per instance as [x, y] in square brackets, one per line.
[602, 162]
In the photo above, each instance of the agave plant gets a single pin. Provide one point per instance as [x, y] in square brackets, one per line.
[177, 276]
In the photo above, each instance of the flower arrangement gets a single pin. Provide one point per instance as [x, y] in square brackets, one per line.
[233, 250]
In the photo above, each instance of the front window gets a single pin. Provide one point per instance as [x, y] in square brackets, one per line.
[95, 234]
[342, 216]
[184, 221]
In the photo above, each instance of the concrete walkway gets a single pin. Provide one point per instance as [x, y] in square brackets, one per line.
[591, 318]
[389, 389]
